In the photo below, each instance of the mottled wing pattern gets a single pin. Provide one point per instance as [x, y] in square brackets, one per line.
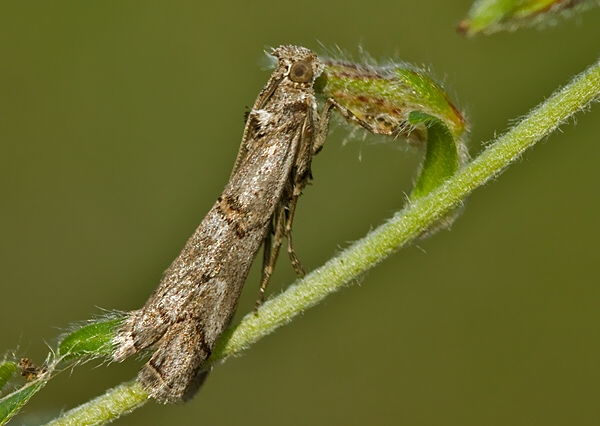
[198, 294]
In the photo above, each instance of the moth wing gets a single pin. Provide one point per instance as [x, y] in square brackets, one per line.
[172, 374]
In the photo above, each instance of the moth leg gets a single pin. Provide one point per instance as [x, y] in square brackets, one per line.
[282, 223]
[288, 234]
[403, 128]
[302, 177]
[348, 115]
[323, 125]
[272, 243]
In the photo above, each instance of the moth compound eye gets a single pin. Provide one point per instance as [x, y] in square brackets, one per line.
[301, 72]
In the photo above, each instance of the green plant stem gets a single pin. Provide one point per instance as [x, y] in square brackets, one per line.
[403, 227]
[103, 409]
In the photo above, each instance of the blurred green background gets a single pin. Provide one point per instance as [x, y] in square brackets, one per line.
[119, 125]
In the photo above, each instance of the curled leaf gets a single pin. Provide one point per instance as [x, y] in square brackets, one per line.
[490, 16]
[382, 97]
[441, 157]
[399, 100]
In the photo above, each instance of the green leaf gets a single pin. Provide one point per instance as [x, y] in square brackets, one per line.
[383, 97]
[400, 100]
[441, 157]
[490, 16]
[7, 371]
[90, 341]
[13, 402]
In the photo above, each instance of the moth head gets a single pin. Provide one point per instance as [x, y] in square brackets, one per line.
[301, 65]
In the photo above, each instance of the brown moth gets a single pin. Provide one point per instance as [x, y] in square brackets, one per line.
[199, 292]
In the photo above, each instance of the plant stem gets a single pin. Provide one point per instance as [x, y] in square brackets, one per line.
[116, 402]
[361, 256]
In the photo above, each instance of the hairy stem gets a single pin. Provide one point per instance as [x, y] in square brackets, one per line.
[108, 407]
[361, 256]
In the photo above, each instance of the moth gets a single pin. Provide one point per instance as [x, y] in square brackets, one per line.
[199, 292]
